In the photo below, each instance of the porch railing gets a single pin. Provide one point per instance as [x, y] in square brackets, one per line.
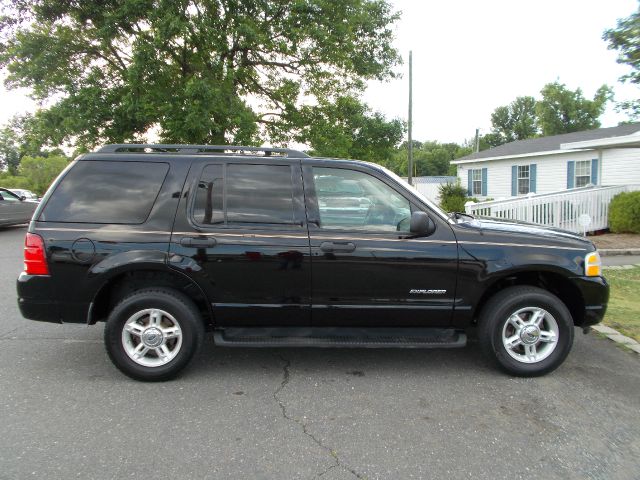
[560, 209]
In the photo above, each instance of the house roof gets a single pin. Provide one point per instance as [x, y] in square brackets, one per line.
[550, 144]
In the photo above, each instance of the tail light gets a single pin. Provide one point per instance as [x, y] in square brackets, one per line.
[35, 259]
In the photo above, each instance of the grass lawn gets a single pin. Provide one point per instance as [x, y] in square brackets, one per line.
[623, 312]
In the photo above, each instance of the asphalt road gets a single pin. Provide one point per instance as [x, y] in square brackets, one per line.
[66, 412]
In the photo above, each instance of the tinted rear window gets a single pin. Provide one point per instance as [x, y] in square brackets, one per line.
[106, 192]
[252, 194]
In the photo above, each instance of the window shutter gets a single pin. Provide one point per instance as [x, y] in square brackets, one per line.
[571, 174]
[469, 182]
[594, 171]
[532, 177]
[484, 182]
[514, 180]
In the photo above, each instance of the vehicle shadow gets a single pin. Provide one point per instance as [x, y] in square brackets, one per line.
[214, 360]
[10, 228]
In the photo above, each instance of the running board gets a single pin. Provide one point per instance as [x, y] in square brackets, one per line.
[339, 337]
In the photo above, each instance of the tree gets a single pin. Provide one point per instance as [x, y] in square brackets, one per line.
[516, 121]
[430, 158]
[198, 71]
[562, 110]
[348, 129]
[41, 171]
[625, 38]
[9, 150]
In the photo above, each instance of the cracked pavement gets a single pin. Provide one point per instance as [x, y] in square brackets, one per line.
[66, 412]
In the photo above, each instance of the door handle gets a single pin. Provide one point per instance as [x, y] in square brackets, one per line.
[331, 247]
[198, 242]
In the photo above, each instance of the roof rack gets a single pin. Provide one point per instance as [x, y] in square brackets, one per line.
[203, 149]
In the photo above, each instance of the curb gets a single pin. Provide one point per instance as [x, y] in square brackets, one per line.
[617, 337]
[613, 252]
[619, 267]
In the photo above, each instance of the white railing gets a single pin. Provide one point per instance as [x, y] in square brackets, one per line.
[560, 209]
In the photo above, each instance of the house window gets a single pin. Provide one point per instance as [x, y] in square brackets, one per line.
[476, 181]
[524, 177]
[583, 173]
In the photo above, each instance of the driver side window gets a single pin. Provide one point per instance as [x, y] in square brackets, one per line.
[9, 197]
[352, 200]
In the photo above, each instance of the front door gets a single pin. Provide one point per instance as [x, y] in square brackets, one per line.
[367, 270]
[241, 233]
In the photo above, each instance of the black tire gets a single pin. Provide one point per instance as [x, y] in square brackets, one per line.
[179, 306]
[495, 315]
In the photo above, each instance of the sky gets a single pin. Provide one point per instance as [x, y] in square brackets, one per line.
[470, 57]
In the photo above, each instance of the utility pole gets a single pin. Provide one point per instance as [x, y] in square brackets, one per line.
[477, 142]
[410, 176]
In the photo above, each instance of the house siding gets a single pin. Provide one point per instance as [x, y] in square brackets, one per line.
[620, 166]
[617, 167]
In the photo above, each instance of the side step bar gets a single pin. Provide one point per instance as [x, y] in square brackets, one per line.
[338, 337]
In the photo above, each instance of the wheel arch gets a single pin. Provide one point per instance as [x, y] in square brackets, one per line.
[122, 282]
[549, 280]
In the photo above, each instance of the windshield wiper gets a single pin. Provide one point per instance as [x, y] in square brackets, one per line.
[458, 215]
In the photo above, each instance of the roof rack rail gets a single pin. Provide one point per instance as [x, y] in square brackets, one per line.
[179, 148]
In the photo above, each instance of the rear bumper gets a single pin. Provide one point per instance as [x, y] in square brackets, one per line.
[595, 293]
[35, 298]
[36, 301]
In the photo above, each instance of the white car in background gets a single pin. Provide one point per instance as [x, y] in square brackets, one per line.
[15, 209]
[26, 194]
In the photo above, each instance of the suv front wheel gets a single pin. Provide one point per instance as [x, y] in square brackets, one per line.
[527, 330]
[153, 334]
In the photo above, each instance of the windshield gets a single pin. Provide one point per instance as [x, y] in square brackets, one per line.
[415, 191]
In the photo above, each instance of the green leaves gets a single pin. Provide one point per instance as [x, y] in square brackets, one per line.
[201, 71]
[625, 38]
[562, 110]
[347, 128]
[516, 121]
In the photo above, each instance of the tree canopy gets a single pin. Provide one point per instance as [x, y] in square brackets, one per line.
[562, 110]
[625, 38]
[195, 71]
[559, 110]
[516, 121]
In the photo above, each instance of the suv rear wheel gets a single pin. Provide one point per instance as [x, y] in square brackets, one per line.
[527, 330]
[153, 334]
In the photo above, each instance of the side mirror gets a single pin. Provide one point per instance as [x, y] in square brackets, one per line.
[22, 198]
[421, 224]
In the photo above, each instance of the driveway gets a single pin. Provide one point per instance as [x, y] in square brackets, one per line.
[66, 412]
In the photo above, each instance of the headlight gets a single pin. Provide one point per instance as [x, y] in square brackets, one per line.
[592, 265]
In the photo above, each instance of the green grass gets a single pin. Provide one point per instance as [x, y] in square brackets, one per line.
[623, 312]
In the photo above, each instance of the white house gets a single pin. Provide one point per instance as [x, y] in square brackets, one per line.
[430, 186]
[605, 156]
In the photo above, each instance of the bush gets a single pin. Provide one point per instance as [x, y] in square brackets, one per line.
[624, 213]
[12, 181]
[453, 196]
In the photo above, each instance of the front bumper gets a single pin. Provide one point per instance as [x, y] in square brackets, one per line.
[595, 293]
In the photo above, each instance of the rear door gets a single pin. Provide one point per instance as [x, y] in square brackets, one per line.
[367, 269]
[241, 233]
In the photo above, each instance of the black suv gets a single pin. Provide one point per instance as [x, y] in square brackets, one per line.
[268, 247]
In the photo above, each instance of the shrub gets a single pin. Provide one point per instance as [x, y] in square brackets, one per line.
[453, 196]
[624, 213]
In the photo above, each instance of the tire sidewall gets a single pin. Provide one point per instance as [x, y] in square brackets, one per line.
[145, 300]
[556, 308]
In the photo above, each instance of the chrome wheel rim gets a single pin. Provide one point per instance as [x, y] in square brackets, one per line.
[530, 334]
[152, 337]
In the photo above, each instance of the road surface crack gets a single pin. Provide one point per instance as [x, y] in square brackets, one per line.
[286, 375]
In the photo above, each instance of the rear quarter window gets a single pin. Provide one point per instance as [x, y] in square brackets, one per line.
[106, 192]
